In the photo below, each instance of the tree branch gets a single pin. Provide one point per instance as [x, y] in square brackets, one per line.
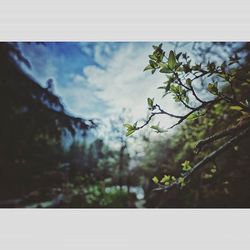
[219, 135]
[207, 159]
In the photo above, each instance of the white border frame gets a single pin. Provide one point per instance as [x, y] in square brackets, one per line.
[120, 20]
[124, 20]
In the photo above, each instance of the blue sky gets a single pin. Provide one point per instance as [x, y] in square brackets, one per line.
[99, 79]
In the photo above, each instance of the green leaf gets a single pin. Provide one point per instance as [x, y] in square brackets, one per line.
[158, 129]
[130, 132]
[183, 184]
[127, 125]
[147, 68]
[153, 64]
[186, 166]
[188, 81]
[181, 181]
[152, 57]
[155, 180]
[193, 116]
[157, 47]
[212, 88]
[168, 87]
[171, 60]
[130, 128]
[165, 70]
[150, 102]
[238, 108]
[173, 178]
[166, 178]
[174, 88]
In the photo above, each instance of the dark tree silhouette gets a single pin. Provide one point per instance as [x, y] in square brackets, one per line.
[33, 121]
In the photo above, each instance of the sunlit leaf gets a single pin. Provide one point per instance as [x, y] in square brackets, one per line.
[171, 60]
[155, 179]
[238, 108]
[166, 178]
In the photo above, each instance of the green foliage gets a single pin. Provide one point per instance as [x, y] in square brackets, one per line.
[94, 194]
[96, 173]
[155, 59]
[190, 85]
[130, 129]
[237, 108]
[186, 167]
[158, 129]
[213, 89]
[150, 103]
[194, 116]
[155, 179]
[171, 60]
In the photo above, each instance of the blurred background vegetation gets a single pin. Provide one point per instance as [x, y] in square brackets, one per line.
[37, 169]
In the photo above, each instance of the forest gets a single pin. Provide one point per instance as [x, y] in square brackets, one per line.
[188, 148]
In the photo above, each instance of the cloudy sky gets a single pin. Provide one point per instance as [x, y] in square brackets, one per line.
[99, 79]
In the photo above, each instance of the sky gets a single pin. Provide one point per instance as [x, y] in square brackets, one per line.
[98, 79]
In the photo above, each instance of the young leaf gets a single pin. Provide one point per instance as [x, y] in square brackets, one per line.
[168, 87]
[173, 178]
[238, 108]
[171, 60]
[188, 81]
[193, 116]
[150, 102]
[153, 64]
[212, 88]
[166, 178]
[162, 87]
[165, 70]
[158, 129]
[128, 126]
[130, 132]
[186, 166]
[155, 180]
[152, 57]
[148, 68]
[181, 181]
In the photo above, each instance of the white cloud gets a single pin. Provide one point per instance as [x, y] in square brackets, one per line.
[123, 82]
[114, 80]
[81, 99]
